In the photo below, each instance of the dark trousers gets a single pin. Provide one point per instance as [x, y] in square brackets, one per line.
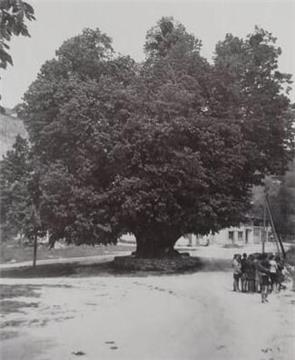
[251, 285]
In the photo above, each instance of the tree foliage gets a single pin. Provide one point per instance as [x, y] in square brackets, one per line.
[160, 149]
[250, 69]
[65, 113]
[283, 205]
[281, 194]
[13, 16]
[19, 193]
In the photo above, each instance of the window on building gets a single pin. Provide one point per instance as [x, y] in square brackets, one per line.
[247, 235]
[240, 235]
[257, 235]
[231, 236]
[257, 232]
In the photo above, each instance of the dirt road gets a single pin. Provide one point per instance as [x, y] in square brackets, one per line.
[193, 316]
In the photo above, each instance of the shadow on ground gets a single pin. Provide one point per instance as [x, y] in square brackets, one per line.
[104, 269]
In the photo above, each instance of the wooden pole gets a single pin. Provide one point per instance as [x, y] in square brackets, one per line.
[277, 238]
[35, 250]
[35, 226]
[264, 227]
[35, 194]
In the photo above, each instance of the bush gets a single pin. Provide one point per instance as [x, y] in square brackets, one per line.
[232, 246]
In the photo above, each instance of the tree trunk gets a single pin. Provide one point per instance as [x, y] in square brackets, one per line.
[156, 244]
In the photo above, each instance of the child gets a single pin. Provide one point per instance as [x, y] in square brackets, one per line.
[273, 269]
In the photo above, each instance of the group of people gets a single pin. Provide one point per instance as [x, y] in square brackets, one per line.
[261, 273]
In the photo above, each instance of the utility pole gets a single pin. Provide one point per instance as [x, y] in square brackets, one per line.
[35, 250]
[35, 220]
[34, 187]
[264, 227]
[277, 238]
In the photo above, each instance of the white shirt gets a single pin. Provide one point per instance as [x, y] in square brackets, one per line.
[273, 266]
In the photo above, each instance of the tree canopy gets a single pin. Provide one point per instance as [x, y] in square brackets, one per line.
[160, 149]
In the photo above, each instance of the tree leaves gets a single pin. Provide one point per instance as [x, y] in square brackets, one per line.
[13, 14]
[251, 67]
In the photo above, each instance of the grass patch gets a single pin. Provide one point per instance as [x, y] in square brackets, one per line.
[232, 246]
[11, 323]
[11, 291]
[40, 271]
[61, 270]
[8, 306]
[12, 306]
[5, 335]
[12, 252]
[103, 269]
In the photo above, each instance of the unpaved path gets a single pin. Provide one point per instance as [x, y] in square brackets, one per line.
[192, 316]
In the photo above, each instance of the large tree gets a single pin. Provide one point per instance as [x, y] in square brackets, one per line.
[160, 149]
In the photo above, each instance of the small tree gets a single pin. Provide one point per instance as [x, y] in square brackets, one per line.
[15, 170]
[20, 195]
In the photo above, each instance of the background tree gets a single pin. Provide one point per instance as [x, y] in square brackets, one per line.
[13, 14]
[17, 193]
[281, 195]
[163, 149]
[283, 205]
[249, 68]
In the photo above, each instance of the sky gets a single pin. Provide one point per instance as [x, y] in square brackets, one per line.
[127, 22]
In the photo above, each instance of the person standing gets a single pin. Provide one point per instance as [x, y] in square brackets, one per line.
[280, 274]
[236, 264]
[244, 266]
[273, 269]
[250, 271]
[263, 268]
[257, 275]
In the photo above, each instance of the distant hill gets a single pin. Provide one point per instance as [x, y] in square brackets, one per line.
[10, 127]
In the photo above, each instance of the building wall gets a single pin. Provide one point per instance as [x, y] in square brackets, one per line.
[242, 235]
